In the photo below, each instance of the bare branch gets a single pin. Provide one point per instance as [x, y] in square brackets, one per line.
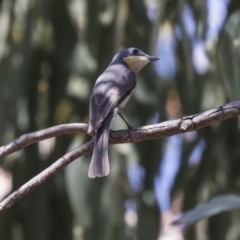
[45, 175]
[155, 131]
[173, 127]
[33, 137]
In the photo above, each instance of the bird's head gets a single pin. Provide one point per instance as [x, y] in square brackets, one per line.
[134, 58]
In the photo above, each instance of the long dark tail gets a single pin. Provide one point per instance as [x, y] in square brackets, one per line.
[99, 166]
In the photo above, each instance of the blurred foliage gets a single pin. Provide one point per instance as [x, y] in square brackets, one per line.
[51, 53]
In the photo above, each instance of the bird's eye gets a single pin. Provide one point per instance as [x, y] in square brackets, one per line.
[134, 51]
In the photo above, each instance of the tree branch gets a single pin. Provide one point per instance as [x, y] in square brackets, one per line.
[33, 137]
[164, 129]
[45, 175]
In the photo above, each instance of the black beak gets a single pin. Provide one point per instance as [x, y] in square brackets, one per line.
[152, 58]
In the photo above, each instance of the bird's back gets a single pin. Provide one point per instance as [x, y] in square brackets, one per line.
[110, 89]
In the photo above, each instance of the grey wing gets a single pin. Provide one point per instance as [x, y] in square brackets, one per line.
[105, 96]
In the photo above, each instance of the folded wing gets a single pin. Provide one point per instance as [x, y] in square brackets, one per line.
[109, 91]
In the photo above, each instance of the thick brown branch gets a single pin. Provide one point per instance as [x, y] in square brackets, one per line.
[160, 130]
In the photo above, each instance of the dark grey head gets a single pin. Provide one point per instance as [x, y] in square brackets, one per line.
[134, 58]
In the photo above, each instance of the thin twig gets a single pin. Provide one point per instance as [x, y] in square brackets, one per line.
[155, 131]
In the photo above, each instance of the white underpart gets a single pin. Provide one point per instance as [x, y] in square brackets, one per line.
[124, 102]
[114, 116]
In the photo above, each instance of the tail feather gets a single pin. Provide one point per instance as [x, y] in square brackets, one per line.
[99, 166]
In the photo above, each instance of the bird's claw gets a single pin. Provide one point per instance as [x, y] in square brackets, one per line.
[129, 130]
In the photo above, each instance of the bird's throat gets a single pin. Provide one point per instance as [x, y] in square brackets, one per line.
[136, 63]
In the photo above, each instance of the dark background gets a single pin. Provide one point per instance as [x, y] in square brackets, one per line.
[51, 53]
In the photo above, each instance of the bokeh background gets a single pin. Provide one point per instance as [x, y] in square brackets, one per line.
[51, 53]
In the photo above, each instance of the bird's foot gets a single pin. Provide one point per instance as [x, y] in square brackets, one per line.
[129, 130]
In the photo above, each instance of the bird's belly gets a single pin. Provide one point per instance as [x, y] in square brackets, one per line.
[124, 102]
[115, 111]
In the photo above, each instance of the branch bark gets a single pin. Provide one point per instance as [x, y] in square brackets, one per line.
[164, 129]
[33, 137]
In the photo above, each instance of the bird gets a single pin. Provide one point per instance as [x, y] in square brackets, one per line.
[111, 92]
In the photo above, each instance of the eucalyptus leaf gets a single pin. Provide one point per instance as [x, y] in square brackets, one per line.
[77, 184]
[229, 56]
[216, 205]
